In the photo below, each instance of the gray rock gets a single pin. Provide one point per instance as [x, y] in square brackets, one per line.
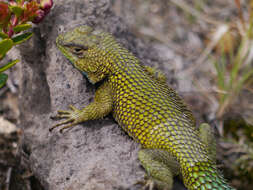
[96, 154]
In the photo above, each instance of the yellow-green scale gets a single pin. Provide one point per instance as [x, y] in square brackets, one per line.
[154, 116]
[151, 112]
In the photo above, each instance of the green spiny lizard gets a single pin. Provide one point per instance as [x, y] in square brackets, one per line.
[145, 107]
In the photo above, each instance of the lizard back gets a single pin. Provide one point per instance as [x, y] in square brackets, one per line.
[146, 107]
[156, 117]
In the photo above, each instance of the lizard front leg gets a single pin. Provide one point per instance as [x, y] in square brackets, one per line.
[100, 107]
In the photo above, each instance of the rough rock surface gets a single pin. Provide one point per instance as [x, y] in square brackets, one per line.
[94, 155]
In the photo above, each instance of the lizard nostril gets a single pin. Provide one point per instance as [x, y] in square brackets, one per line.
[59, 40]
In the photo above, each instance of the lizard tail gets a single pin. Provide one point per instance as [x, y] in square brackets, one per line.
[204, 176]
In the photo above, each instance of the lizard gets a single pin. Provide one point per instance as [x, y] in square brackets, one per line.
[142, 103]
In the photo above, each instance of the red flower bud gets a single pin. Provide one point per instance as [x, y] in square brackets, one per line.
[46, 5]
[10, 32]
[40, 15]
[30, 11]
[5, 13]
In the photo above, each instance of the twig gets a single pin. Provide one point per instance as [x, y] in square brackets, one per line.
[152, 34]
[8, 178]
[205, 93]
[186, 7]
[238, 5]
[217, 36]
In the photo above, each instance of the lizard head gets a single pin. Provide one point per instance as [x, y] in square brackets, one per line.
[84, 47]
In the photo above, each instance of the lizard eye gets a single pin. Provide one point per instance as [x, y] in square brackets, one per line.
[77, 50]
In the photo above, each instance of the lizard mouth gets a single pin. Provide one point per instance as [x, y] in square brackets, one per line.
[63, 49]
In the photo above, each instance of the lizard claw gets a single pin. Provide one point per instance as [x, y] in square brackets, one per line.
[148, 184]
[71, 118]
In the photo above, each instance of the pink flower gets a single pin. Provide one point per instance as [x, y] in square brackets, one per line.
[45, 6]
[30, 11]
[40, 16]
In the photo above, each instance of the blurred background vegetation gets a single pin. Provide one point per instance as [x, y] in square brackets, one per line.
[208, 43]
[215, 72]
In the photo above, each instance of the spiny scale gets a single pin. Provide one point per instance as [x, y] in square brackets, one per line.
[150, 111]
[154, 115]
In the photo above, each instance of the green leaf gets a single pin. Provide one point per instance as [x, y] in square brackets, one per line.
[3, 79]
[17, 10]
[21, 38]
[3, 35]
[8, 65]
[244, 78]
[21, 27]
[5, 45]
